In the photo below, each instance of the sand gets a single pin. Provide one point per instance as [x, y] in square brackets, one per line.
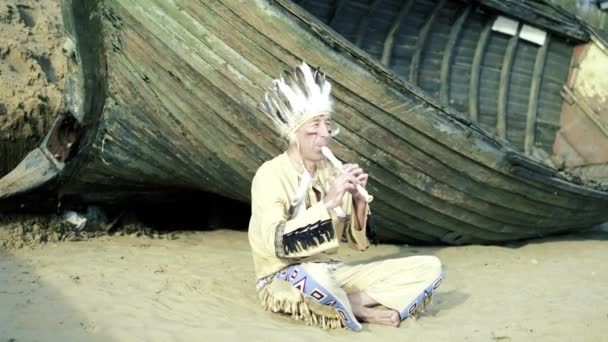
[200, 286]
[32, 75]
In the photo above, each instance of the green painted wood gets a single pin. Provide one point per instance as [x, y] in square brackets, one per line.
[446, 64]
[539, 66]
[476, 72]
[422, 38]
[364, 24]
[503, 87]
[389, 41]
[339, 7]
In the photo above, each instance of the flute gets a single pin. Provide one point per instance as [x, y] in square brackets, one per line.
[338, 165]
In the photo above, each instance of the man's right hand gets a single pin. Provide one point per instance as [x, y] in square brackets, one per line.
[339, 185]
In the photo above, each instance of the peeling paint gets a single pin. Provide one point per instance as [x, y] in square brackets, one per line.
[592, 81]
[583, 136]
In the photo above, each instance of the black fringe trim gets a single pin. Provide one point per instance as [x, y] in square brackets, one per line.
[310, 236]
[370, 230]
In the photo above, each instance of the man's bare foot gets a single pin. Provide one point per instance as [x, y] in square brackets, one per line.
[361, 299]
[361, 304]
[375, 316]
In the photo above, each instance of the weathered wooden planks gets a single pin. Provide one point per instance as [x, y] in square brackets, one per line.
[34, 171]
[448, 53]
[539, 65]
[503, 89]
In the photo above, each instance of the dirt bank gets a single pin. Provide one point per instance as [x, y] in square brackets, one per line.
[32, 75]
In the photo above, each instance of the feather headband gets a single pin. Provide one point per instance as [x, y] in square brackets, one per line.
[296, 97]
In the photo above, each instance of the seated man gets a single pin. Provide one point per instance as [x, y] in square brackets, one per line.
[302, 207]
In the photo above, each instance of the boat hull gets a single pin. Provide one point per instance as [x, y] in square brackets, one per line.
[166, 93]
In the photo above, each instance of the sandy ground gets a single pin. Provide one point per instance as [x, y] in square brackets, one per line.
[200, 286]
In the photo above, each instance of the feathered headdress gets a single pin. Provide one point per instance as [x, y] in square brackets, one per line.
[296, 97]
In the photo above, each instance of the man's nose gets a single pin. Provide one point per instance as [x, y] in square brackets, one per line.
[323, 130]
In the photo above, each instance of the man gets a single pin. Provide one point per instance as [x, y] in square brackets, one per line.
[302, 207]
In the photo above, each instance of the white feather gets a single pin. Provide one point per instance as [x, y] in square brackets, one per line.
[298, 200]
[294, 106]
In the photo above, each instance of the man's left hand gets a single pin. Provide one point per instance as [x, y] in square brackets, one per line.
[361, 177]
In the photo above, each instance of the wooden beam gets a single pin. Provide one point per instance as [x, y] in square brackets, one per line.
[422, 37]
[36, 170]
[503, 86]
[444, 85]
[390, 37]
[537, 76]
[476, 71]
[365, 22]
[339, 6]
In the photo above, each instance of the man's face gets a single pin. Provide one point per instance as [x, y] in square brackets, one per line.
[313, 135]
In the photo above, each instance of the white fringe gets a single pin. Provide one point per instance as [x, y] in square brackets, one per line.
[298, 202]
[281, 296]
[422, 308]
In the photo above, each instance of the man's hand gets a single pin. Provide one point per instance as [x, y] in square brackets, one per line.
[360, 176]
[339, 185]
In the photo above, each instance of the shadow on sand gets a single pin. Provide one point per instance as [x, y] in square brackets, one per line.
[23, 318]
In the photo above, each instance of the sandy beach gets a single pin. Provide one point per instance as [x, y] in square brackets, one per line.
[200, 286]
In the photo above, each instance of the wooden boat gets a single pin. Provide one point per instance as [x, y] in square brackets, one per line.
[466, 113]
